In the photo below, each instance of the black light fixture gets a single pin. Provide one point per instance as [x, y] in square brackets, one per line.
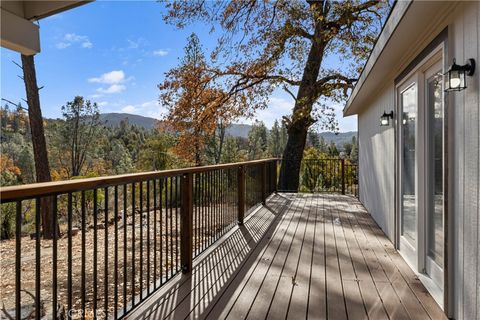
[455, 76]
[385, 118]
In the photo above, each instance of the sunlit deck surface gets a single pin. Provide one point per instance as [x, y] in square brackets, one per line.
[301, 256]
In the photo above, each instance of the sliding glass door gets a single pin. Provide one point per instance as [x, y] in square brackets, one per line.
[420, 150]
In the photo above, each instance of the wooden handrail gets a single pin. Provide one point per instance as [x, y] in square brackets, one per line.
[26, 191]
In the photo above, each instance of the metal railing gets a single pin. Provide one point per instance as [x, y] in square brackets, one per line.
[119, 238]
[329, 175]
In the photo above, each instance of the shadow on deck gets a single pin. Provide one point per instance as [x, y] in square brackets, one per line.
[300, 256]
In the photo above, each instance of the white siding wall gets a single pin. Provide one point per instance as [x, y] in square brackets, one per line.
[376, 161]
[464, 43]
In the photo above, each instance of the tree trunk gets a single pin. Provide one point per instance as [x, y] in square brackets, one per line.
[301, 117]
[292, 159]
[42, 168]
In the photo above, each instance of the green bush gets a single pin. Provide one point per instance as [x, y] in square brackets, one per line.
[7, 221]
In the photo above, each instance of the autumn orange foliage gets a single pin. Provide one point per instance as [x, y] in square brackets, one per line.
[8, 166]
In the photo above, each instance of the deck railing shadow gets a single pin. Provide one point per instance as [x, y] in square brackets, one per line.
[217, 268]
[119, 239]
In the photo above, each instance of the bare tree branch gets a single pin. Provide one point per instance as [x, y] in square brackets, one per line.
[289, 92]
[16, 105]
[18, 65]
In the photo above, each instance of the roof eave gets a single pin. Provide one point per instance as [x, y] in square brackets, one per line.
[394, 18]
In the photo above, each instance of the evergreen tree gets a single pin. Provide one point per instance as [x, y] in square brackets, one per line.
[332, 149]
[257, 140]
[275, 141]
[347, 148]
[314, 139]
[155, 154]
[120, 158]
[230, 151]
[322, 145]
[79, 132]
[354, 151]
[283, 136]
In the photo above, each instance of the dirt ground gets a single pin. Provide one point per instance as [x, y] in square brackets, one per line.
[165, 244]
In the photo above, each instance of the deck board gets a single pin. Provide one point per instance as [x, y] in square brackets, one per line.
[301, 256]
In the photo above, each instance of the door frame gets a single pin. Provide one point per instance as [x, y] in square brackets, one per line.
[437, 49]
[410, 253]
[434, 268]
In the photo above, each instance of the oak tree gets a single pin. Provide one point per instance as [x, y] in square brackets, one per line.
[197, 104]
[312, 49]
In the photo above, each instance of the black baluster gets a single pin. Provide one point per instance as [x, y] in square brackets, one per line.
[37, 260]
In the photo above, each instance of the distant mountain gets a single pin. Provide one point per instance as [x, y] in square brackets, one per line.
[238, 130]
[234, 130]
[114, 119]
[339, 138]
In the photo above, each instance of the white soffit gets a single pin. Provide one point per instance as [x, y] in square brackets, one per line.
[18, 31]
[401, 31]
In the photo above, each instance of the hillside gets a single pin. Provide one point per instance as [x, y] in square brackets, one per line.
[234, 130]
[114, 119]
[338, 138]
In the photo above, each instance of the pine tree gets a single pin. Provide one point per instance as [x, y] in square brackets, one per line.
[274, 141]
[257, 141]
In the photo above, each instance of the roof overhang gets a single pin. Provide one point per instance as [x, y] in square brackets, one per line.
[409, 23]
[18, 30]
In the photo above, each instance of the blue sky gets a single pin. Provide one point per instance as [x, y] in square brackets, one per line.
[115, 53]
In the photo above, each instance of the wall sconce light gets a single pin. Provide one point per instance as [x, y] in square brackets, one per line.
[385, 118]
[455, 76]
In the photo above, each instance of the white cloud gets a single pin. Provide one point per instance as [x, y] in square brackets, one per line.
[87, 44]
[112, 77]
[129, 109]
[135, 44]
[148, 109]
[63, 45]
[160, 52]
[114, 80]
[114, 88]
[102, 103]
[73, 38]
[281, 104]
[277, 108]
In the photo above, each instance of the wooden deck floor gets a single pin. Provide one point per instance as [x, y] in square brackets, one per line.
[301, 256]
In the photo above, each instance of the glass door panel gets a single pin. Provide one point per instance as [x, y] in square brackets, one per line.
[435, 193]
[409, 107]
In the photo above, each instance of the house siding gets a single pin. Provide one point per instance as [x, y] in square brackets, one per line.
[464, 35]
[376, 160]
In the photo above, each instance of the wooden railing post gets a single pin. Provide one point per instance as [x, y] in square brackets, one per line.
[186, 223]
[264, 183]
[343, 175]
[241, 194]
[274, 175]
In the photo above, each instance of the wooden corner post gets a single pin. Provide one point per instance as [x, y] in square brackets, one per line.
[343, 175]
[241, 194]
[186, 223]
